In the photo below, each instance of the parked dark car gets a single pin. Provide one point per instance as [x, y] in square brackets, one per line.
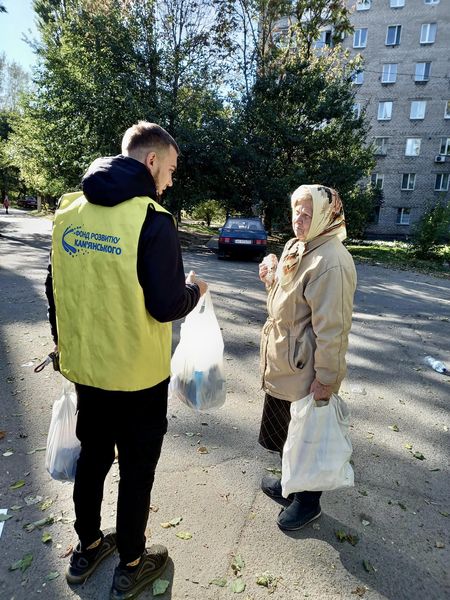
[244, 236]
[27, 202]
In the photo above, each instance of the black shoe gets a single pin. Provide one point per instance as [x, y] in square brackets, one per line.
[128, 583]
[298, 514]
[84, 562]
[271, 486]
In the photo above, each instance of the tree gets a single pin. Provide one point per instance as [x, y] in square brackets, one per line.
[209, 210]
[432, 230]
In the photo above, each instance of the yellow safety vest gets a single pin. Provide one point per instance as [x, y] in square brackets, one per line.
[106, 337]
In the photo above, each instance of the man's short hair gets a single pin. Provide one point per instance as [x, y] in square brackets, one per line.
[145, 137]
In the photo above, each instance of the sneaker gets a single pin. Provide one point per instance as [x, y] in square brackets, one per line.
[271, 486]
[128, 583]
[84, 562]
[298, 514]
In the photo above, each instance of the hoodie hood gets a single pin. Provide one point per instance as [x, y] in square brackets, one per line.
[114, 179]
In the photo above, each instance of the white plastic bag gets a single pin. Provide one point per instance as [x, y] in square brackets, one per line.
[316, 455]
[197, 364]
[63, 446]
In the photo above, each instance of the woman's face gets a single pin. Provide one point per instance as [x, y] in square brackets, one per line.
[302, 212]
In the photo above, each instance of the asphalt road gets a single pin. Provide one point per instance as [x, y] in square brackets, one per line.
[400, 505]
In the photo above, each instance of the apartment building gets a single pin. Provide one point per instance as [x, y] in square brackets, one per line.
[404, 88]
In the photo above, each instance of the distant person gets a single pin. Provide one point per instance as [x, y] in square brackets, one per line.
[6, 204]
[115, 284]
[305, 338]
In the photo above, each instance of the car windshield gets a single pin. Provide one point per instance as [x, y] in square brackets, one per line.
[244, 224]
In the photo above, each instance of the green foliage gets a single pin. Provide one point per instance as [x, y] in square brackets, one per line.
[432, 231]
[209, 210]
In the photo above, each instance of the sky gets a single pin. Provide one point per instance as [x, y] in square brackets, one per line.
[17, 21]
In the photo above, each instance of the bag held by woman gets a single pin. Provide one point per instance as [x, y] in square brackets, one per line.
[316, 455]
[197, 364]
[63, 446]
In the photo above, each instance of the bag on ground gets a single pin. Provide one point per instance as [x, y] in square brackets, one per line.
[63, 446]
[316, 455]
[197, 364]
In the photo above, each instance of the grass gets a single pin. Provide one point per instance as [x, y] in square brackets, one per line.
[398, 256]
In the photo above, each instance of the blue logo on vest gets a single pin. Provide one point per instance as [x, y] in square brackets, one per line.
[89, 241]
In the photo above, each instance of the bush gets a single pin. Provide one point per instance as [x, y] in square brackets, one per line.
[432, 231]
[209, 210]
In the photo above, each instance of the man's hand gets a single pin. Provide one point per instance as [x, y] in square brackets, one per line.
[320, 391]
[192, 278]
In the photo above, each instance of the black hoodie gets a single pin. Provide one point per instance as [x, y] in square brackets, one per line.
[110, 181]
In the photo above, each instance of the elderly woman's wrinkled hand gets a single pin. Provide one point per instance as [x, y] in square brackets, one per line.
[267, 269]
[320, 391]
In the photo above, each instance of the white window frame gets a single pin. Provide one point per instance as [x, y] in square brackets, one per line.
[357, 110]
[389, 105]
[447, 110]
[420, 115]
[412, 147]
[398, 34]
[424, 75]
[428, 33]
[410, 182]
[444, 180]
[380, 145]
[431, 2]
[389, 73]
[396, 3]
[363, 4]
[362, 43]
[358, 78]
[444, 148]
[377, 180]
[403, 216]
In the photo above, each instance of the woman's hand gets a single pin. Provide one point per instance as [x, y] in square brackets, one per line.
[320, 391]
[267, 269]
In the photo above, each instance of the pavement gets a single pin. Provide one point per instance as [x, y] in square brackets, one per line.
[394, 523]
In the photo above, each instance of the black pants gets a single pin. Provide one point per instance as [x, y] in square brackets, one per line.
[136, 423]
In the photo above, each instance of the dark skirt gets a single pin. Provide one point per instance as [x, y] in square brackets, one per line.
[274, 423]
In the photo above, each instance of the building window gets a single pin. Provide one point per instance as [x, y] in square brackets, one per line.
[412, 146]
[418, 108]
[431, 1]
[403, 216]
[408, 181]
[363, 4]
[324, 39]
[389, 73]
[358, 78]
[422, 71]
[445, 147]
[397, 3]
[441, 183]
[384, 111]
[357, 110]
[374, 218]
[380, 146]
[377, 180]
[360, 38]
[447, 110]
[428, 33]
[393, 35]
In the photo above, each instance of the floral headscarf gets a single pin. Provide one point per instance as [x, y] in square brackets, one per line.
[327, 220]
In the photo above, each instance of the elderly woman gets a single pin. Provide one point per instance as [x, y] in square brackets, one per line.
[305, 337]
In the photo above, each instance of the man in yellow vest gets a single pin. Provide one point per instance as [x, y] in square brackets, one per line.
[115, 284]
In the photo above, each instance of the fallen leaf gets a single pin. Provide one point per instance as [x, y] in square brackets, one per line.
[220, 581]
[359, 591]
[267, 580]
[154, 508]
[368, 566]
[238, 586]
[202, 450]
[36, 450]
[4, 517]
[362, 492]
[365, 523]
[17, 484]
[273, 470]
[341, 535]
[439, 544]
[8, 453]
[52, 575]
[408, 446]
[38, 524]
[419, 456]
[434, 470]
[444, 514]
[402, 506]
[394, 428]
[2, 434]
[166, 525]
[30, 500]
[46, 537]
[189, 434]
[160, 586]
[46, 504]
[184, 535]
[22, 564]
[15, 507]
[67, 552]
[238, 564]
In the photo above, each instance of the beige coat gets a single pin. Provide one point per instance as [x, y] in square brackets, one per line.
[306, 333]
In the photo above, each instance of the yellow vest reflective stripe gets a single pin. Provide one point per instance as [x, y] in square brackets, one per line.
[106, 337]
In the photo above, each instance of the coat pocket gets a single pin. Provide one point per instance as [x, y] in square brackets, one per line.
[295, 354]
